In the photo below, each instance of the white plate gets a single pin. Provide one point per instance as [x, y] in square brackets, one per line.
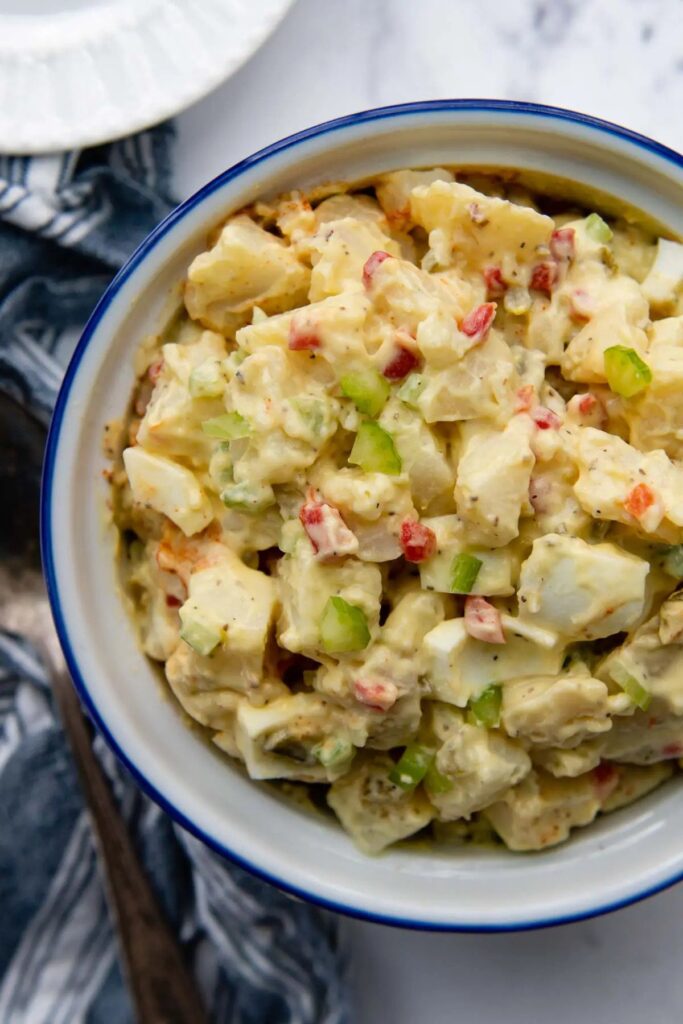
[79, 72]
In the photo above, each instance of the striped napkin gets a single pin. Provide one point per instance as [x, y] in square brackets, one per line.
[66, 224]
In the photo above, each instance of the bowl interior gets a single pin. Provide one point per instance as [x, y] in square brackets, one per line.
[620, 857]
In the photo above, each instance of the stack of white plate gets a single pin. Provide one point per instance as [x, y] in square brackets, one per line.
[79, 72]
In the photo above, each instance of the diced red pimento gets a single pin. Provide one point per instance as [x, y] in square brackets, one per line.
[378, 694]
[543, 276]
[587, 409]
[639, 499]
[672, 750]
[172, 601]
[562, 243]
[403, 361]
[154, 371]
[605, 779]
[418, 542]
[546, 419]
[372, 263]
[495, 285]
[478, 321]
[482, 621]
[526, 396]
[328, 533]
[582, 305]
[303, 335]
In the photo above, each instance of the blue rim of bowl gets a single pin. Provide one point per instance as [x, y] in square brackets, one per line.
[376, 114]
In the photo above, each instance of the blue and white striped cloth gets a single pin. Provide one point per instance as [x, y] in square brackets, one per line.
[66, 224]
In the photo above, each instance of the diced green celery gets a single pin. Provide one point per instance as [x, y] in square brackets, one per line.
[436, 782]
[206, 380]
[228, 427]
[334, 752]
[673, 561]
[250, 498]
[486, 707]
[631, 686]
[598, 229]
[343, 627]
[312, 412]
[367, 389]
[411, 388]
[464, 572]
[636, 692]
[626, 373]
[202, 636]
[413, 765]
[374, 450]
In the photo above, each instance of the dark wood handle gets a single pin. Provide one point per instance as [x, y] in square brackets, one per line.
[160, 983]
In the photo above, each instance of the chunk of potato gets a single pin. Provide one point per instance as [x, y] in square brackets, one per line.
[655, 417]
[394, 189]
[657, 665]
[609, 469]
[480, 763]
[556, 711]
[481, 385]
[307, 584]
[279, 739]
[372, 809]
[492, 484]
[584, 357]
[246, 267]
[542, 810]
[498, 569]
[480, 229]
[339, 250]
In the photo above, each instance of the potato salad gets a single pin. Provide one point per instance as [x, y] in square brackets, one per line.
[400, 505]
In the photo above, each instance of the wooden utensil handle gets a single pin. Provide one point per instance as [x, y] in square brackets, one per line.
[160, 983]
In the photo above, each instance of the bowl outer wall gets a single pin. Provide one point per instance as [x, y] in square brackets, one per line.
[620, 858]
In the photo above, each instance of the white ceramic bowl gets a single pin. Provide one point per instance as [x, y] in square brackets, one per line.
[620, 858]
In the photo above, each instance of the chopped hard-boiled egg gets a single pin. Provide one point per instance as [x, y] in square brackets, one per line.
[663, 283]
[168, 488]
[582, 591]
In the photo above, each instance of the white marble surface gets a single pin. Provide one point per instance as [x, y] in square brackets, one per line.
[619, 59]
